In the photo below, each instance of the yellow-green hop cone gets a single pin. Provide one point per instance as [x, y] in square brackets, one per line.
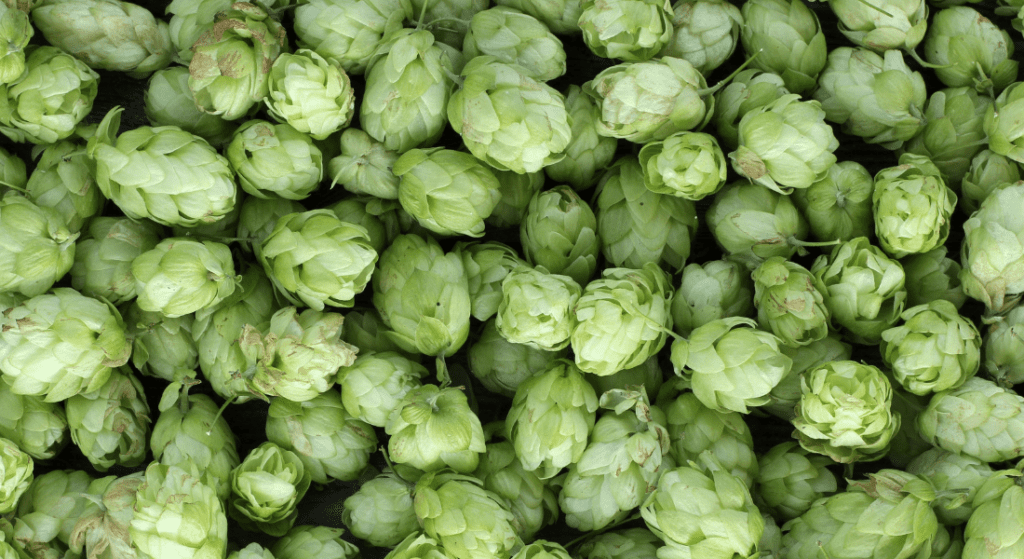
[408, 85]
[791, 479]
[542, 549]
[979, 419]
[588, 152]
[107, 34]
[181, 276]
[309, 93]
[621, 319]
[162, 347]
[628, 30]
[364, 166]
[103, 258]
[314, 541]
[189, 20]
[839, 205]
[533, 502]
[375, 383]
[954, 132]
[995, 529]
[16, 474]
[790, 303]
[266, 489]
[422, 294]
[704, 512]
[647, 101]
[887, 515]
[559, 232]
[169, 102]
[992, 255]
[15, 32]
[164, 173]
[705, 33]
[1004, 137]
[551, 418]
[912, 207]
[902, 25]
[487, 265]
[788, 37]
[61, 344]
[433, 428]
[178, 515]
[104, 533]
[381, 511]
[348, 32]
[231, 62]
[513, 37]
[48, 511]
[501, 366]
[448, 192]
[64, 180]
[709, 291]
[466, 519]
[48, 100]
[932, 275]
[687, 165]
[252, 551]
[957, 479]
[37, 249]
[1003, 348]
[111, 425]
[39, 428]
[536, 308]
[271, 160]
[753, 223]
[988, 172]
[561, 16]
[935, 349]
[629, 543]
[508, 119]
[786, 394]
[748, 91]
[845, 412]
[970, 50]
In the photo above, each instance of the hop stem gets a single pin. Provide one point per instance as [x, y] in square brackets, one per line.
[713, 89]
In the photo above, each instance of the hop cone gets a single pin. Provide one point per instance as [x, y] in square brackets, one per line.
[789, 38]
[996, 527]
[501, 366]
[15, 474]
[790, 303]
[559, 232]
[178, 515]
[710, 291]
[180, 276]
[105, 533]
[39, 428]
[705, 33]
[469, 521]
[628, 30]
[169, 102]
[103, 258]
[374, 385]
[515, 38]
[695, 428]
[979, 419]
[64, 179]
[448, 192]
[433, 428]
[309, 93]
[348, 32]
[533, 502]
[957, 479]
[322, 542]
[912, 207]
[932, 275]
[752, 223]
[37, 250]
[588, 152]
[839, 205]
[266, 489]
[791, 479]
[381, 511]
[111, 425]
[993, 250]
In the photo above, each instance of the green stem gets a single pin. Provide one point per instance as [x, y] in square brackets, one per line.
[713, 89]
[913, 54]
[220, 412]
[443, 377]
[423, 14]
[793, 241]
[20, 189]
[870, 5]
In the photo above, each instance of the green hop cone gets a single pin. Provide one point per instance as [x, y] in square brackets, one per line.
[298, 354]
[588, 152]
[730, 365]
[375, 384]
[181, 276]
[687, 165]
[189, 20]
[533, 502]
[628, 30]
[1004, 136]
[552, 415]
[169, 102]
[433, 317]
[448, 192]
[251, 551]
[365, 329]
[107, 34]
[1003, 347]
[888, 515]
[536, 308]
[621, 319]
[64, 180]
[38, 248]
[48, 100]
[437, 15]
[314, 541]
[105, 533]
[992, 256]
[408, 85]
[695, 428]
[171, 494]
[785, 144]
[933, 275]
[364, 166]
[266, 489]
[637, 225]
[165, 173]
[710, 291]
[648, 101]
[231, 63]
[331, 443]
[312, 95]
[257, 218]
[508, 119]
[705, 33]
[359, 211]
[39, 428]
[864, 289]
[979, 419]
[898, 24]
[786, 394]
[750, 90]
[559, 232]
[845, 412]
[15, 474]
[561, 16]
[433, 428]
[162, 347]
[753, 223]
[381, 511]
[876, 97]
[954, 131]
[61, 344]
[912, 206]
[839, 205]
[501, 366]
[789, 39]
[466, 519]
[956, 478]
[111, 425]
[315, 259]
[693, 505]
[988, 172]
[791, 479]
[190, 434]
[103, 259]
[513, 37]
[275, 160]
[627, 454]
[789, 302]
[994, 529]
[935, 349]
[348, 32]
[516, 192]
[48, 511]
[15, 32]
[629, 543]
[970, 50]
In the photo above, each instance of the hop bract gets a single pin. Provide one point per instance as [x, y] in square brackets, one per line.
[448, 192]
[107, 34]
[348, 32]
[789, 38]
[15, 32]
[38, 248]
[629, 30]
[994, 527]
[507, 118]
[103, 260]
[314, 541]
[709, 291]
[621, 319]
[901, 25]
[789, 302]
[15, 474]
[559, 232]
[933, 275]
[688, 165]
[912, 206]
[705, 33]
[1003, 345]
[104, 532]
[786, 394]
[634, 543]
[561, 16]
[845, 412]
[266, 488]
[979, 419]
[310, 94]
[993, 251]
[513, 37]
[516, 192]
[839, 205]
[38, 427]
[935, 349]
[969, 50]
[536, 308]
[275, 160]
[432, 428]
[588, 152]
[955, 477]
[201, 527]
